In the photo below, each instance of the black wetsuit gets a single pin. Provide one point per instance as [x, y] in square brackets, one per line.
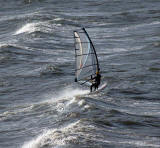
[97, 82]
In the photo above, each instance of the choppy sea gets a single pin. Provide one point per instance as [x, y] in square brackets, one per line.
[42, 107]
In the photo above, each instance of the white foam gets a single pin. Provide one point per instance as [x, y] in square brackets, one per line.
[57, 137]
[36, 26]
[54, 137]
[87, 106]
[3, 45]
[71, 101]
[58, 19]
[70, 93]
[81, 102]
[38, 141]
[30, 27]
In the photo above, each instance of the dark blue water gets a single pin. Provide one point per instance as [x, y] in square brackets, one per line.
[42, 107]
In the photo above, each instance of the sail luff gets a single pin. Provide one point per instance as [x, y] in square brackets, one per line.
[75, 56]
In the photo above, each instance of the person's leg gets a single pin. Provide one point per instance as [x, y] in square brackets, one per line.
[95, 86]
[91, 88]
[98, 85]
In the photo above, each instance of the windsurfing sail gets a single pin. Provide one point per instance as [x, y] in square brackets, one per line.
[86, 58]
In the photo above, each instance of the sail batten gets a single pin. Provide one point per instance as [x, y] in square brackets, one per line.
[84, 54]
[87, 66]
[86, 58]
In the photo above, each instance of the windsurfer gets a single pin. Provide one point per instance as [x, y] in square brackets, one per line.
[96, 81]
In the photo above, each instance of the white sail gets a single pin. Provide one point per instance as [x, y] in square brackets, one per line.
[86, 58]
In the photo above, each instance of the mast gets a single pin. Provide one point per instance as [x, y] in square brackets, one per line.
[93, 48]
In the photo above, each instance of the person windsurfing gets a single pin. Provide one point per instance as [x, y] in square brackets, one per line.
[96, 81]
[87, 69]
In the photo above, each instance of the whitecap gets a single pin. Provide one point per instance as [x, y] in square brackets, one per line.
[29, 27]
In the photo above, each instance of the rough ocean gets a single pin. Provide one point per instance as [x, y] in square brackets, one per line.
[40, 104]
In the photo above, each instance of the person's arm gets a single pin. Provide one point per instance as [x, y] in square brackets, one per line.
[92, 78]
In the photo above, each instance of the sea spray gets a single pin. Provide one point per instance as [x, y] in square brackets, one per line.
[57, 137]
[67, 94]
